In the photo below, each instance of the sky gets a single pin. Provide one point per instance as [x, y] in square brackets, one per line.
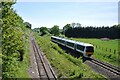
[48, 14]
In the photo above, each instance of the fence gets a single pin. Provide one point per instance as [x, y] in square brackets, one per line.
[106, 49]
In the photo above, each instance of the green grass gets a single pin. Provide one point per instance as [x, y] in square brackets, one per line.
[102, 49]
[111, 44]
[66, 65]
[24, 65]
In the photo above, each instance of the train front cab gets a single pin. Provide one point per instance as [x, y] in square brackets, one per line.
[89, 50]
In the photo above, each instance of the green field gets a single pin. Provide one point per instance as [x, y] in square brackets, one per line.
[105, 50]
[66, 65]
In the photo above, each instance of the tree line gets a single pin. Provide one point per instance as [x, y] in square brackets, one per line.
[77, 31]
[92, 32]
[44, 30]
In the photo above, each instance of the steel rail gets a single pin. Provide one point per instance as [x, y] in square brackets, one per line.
[49, 73]
[107, 66]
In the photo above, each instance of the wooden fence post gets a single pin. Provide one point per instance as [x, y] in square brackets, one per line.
[96, 46]
[110, 50]
[114, 51]
[106, 49]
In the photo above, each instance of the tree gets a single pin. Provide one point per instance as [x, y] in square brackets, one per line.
[44, 31]
[66, 27]
[13, 40]
[73, 25]
[93, 32]
[78, 25]
[36, 30]
[28, 25]
[55, 30]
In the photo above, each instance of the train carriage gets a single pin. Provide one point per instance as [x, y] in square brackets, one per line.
[70, 44]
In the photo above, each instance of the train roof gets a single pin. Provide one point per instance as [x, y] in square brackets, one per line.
[56, 37]
[69, 40]
[64, 39]
[80, 43]
[84, 44]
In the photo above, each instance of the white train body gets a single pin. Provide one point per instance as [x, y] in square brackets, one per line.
[85, 48]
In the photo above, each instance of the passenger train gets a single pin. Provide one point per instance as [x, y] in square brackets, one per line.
[85, 48]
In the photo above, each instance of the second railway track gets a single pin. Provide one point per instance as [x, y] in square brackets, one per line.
[107, 66]
[45, 70]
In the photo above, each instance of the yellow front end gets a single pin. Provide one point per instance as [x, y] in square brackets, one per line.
[89, 53]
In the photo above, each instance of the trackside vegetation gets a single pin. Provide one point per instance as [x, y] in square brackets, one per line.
[66, 65]
[105, 50]
[15, 43]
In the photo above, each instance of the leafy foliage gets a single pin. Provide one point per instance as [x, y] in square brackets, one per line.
[13, 40]
[28, 25]
[93, 32]
[55, 30]
[44, 31]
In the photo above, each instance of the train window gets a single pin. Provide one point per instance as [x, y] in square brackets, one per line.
[70, 44]
[58, 40]
[54, 38]
[61, 41]
[80, 47]
[89, 49]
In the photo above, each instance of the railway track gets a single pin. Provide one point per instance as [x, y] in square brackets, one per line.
[45, 70]
[109, 67]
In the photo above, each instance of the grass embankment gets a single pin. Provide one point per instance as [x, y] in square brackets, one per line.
[105, 50]
[66, 65]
